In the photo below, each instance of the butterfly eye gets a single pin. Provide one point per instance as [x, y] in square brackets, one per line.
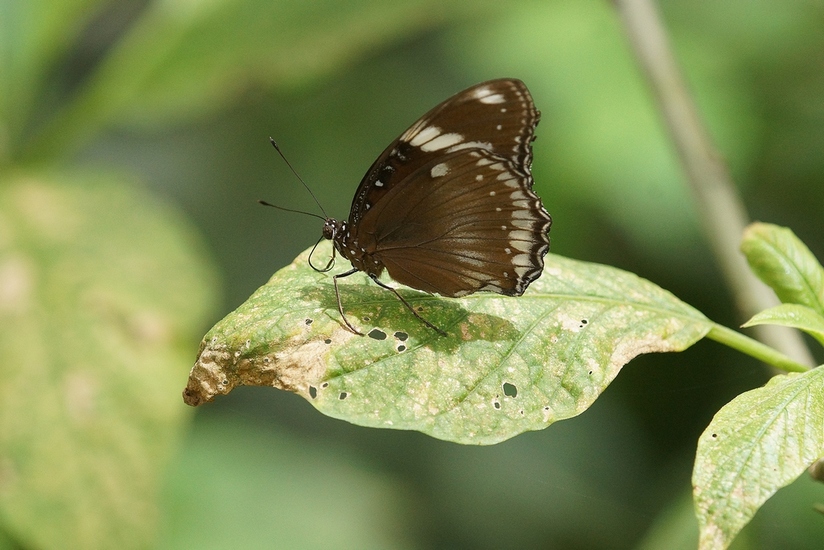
[448, 208]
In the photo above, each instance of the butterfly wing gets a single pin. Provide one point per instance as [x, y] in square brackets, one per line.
[477, 227]
[497, 116]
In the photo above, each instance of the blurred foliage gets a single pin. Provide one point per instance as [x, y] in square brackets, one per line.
[132, 132]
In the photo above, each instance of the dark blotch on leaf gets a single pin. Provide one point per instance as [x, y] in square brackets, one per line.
[510, 390]
[309, 321]
[402, 336]
[313, 392]
[377, 334]
[343, 395]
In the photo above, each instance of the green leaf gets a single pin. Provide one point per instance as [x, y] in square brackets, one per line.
[508, 365]
[101, 288]
[784, 263]
[759, 442]
[791, 315]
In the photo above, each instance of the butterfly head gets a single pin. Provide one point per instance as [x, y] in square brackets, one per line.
[332, 228]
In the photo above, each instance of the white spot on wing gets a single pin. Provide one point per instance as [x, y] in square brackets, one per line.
[440, 142]
[439, 170]
[492, 99]
[428, 133]
[481, 92]
[471, 145]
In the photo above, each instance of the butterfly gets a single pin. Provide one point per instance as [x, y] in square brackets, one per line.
[448, 208]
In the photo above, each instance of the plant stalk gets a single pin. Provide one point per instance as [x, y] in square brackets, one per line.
[722, 211]
[754, 348]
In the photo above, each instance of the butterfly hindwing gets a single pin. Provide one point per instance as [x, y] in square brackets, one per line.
[478, 227]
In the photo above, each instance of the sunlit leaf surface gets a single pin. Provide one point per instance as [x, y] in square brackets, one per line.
[759, 442]
[791, 315]
[507, 366]
[782, 261]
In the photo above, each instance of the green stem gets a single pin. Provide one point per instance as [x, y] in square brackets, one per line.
[754, 348]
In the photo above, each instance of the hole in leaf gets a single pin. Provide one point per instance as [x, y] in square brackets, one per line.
[327, 341]
[366, 318]
[225, 382]
[402, 336]
[313, 392]
[401, 348]
[324, 385]
[510, 390]
[496, 404]
[308, 321]
[584, 321]
[714, 436]
[377, 334]
[343, 395]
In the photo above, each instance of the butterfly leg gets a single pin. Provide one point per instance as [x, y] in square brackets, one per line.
[340, 306]
[415, 313]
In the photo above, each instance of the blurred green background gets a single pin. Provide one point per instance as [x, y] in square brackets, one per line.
[133, 146]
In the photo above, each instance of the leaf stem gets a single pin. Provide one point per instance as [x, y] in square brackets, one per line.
[754, 348]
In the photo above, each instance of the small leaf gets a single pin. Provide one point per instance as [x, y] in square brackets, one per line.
[759, 442]
[100, 289]
[784, 263]
[508, 365]
[791, 315]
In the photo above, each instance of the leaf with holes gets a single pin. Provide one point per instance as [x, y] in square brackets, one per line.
[508, 365]
[783, 262]
[759, 442]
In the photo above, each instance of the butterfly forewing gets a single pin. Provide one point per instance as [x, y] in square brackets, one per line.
[497, 116]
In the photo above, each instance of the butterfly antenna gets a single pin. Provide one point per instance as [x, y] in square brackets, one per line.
[264, 203]
[289, 164]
